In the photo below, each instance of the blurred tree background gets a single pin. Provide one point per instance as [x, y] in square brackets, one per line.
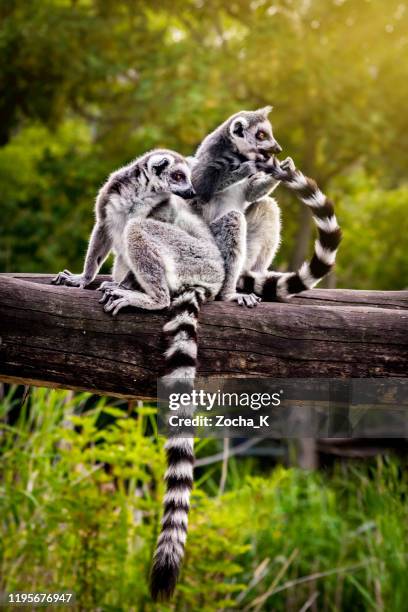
[86, 85]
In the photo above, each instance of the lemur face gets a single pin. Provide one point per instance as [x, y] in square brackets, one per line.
[170, 172]
[251, 134]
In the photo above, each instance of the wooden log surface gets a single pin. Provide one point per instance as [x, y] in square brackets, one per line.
[61, 337]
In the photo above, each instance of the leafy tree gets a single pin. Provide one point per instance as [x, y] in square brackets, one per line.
[126, 76]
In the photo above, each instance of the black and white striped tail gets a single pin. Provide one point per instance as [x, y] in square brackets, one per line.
[281, 286]
[181, 365]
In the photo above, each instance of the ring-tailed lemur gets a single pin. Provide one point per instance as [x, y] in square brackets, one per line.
[171, 253]
[119, 200]
[233, 174]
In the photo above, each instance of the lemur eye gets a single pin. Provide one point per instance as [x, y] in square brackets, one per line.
[261, 135]
[178, 176]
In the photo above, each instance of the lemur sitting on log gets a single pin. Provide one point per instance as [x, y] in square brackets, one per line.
[163, 246]
[171, 253]
[234, 171]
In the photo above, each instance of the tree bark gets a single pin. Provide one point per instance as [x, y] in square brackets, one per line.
[61, 337]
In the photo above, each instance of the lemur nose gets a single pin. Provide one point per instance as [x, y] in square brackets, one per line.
[276, 148]
[186, 194]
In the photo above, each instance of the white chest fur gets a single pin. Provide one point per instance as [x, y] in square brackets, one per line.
[232, 198]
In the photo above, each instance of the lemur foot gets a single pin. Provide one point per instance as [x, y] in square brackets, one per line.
[71, 280]
[108, 285]
[116, 298]
[250, 300]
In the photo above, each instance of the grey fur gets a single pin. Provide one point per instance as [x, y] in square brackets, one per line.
[175, 260]
[233, 196]
[130, 192]
[234, 174]
[165, 255]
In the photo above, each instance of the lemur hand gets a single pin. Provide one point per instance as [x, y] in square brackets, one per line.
[269, 166]
[286, 169]
[281, 171]
[71, 280]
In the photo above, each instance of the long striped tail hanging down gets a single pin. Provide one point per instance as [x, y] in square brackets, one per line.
[181, 365]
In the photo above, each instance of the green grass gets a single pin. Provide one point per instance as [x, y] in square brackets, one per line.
[80, 508]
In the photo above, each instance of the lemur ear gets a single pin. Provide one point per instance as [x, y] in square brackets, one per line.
[265, 110]
[158, 163]
[237, 127]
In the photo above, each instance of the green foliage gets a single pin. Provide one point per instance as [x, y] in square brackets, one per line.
[58, 54]
[375, 223]
[80, 507]
[86, 85]
[53, 174]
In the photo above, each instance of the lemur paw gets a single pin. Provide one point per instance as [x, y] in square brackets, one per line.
[269, 166]
[114, 306]
[287, 166]
[107, 285]
[71, 280]
[115, 298]
[250, 300]
[281, 171]
[286, 170]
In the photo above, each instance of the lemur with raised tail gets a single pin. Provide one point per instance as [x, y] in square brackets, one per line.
[234, 173]
[171, 254]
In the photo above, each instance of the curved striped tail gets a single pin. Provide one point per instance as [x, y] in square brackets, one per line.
[181, 364]
[280, 286]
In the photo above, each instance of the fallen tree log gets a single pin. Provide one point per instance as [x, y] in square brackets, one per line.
[61, 337]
